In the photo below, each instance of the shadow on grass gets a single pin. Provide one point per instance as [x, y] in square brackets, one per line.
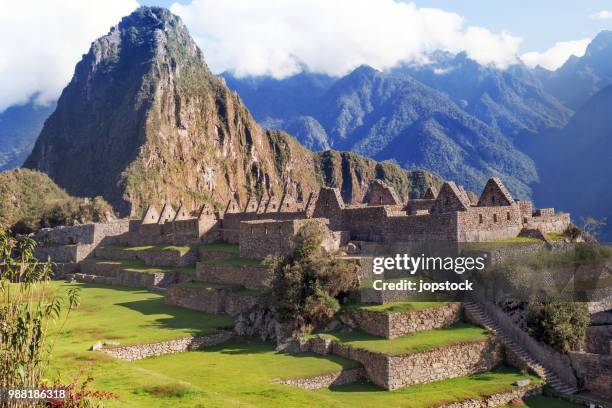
[180, 318]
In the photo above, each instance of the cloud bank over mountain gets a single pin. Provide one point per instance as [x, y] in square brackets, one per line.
[280, 38]
[40, 41]
[556, 55]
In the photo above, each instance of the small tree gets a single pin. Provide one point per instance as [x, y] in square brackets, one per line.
[561, 324]
[309, 284]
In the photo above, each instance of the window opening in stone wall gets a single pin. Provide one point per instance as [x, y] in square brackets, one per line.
[494, 217]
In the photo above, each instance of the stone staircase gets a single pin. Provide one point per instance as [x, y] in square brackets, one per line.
[477, 312]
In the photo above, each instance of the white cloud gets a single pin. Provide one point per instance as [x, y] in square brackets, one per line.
[556, 55]
[41, 41]
[602, 15]
[279, 37]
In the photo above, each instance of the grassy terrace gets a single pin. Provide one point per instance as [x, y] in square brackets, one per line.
[237, 373]
[398, 307]
[500, 243]
[221, 247]
[540, 401]
[136, 265]
[236, 261]
[152, 248]
[207, 285]
[414, 342]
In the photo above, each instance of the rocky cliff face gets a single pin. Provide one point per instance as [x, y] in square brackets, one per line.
[144, 120]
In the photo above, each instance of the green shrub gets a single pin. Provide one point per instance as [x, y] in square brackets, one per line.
[309, 284]
[560, 324]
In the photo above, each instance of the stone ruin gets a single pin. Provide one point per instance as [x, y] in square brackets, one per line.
[451, 214]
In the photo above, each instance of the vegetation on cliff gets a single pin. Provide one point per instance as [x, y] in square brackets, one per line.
[30, 200]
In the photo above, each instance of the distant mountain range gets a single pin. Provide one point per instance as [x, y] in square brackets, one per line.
[576, 81]
[452, 116]
[19, 128]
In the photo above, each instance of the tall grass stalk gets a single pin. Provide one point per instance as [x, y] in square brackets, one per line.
[28, 307]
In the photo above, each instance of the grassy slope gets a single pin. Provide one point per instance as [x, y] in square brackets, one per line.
[414, 342]
[26, 194]
[136, 265]
[545, 402]
[151, 248]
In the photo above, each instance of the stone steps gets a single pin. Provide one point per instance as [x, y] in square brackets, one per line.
[550, 377]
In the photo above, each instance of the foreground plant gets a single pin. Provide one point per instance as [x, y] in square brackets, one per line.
[28, 307]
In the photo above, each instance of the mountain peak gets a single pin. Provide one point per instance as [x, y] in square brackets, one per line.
[601, 43]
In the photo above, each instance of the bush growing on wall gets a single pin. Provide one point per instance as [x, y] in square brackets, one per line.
[560, 324]
[309, 284]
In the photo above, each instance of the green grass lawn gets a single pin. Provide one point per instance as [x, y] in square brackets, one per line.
[237, 373]
[500, 243]
[553, 236]
[208, 285]
[129, 316]
[153, 248]
[221, 247]
[398, 307]
[236, 261]
[540, 401]
[136, 265]
[413, 342]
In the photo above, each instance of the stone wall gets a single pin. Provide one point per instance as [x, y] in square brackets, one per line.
[58, 253]
[167, 257]
[395, 324]
[236, 303]
[599, 339]
[392, 372]
[75, 243]
[326, 380]
[203, 299]
[440, 364]
[230, 224]
[549, 222]
[496, 400]
[82, 234]
[261, 238]
[140, 351]
[112, 274]
[210, 300]
[251, 277]
[480, 224]
[594, 372]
